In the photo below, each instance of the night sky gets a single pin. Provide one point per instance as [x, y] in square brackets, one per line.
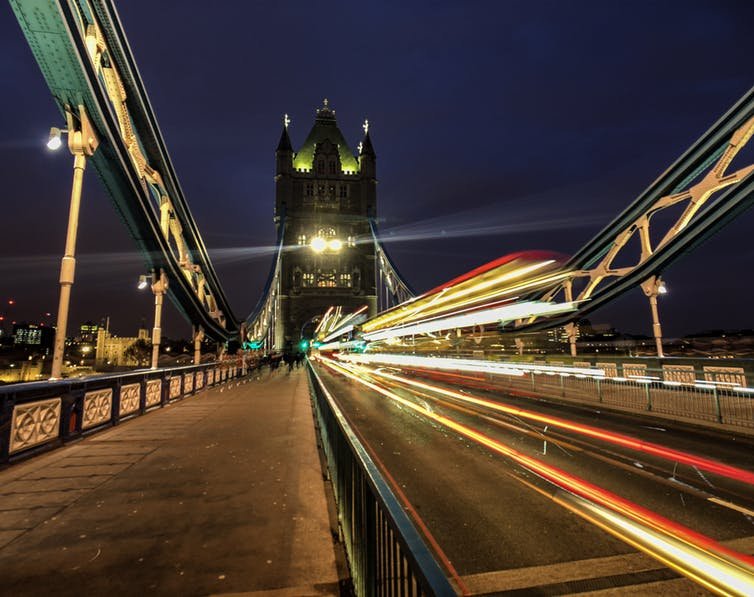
[499, 126]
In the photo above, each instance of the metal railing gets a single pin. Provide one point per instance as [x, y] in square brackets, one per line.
[386, 554]
[707, 402]
[40, 415]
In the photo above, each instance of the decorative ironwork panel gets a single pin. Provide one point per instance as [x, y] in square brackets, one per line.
[129, 398]
[679, 373]
[175, 386]
[188, 383]
[582, 364]
[210, 377]
[199, 380]
[634, 370]
[154, 388]
[34, 423]
[732, 375]
[98, 407]
[610, 369]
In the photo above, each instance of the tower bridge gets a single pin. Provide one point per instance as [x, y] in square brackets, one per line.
[202, 479]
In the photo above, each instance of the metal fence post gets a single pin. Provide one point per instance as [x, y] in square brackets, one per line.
[599, 389]
[649, 397]
[716, 397]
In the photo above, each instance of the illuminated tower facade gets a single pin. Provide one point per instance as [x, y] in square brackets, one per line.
[325, 196]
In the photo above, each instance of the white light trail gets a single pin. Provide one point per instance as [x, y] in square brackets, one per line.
[502, 314]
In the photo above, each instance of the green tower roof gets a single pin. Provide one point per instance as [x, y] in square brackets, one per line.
[325, 128]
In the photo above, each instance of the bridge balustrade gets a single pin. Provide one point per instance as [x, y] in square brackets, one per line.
[676, 393]
[386, 554]
[40, 415]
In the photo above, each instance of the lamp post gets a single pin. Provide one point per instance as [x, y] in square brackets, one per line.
[82, 142]
[159, 288]
[653, 287]
[198, 337]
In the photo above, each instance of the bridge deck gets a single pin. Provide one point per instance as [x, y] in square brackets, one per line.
[218, 493]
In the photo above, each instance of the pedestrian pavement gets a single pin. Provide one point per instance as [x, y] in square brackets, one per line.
[219, 493]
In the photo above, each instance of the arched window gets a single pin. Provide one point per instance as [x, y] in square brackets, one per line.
[320, 166]
[326, 232]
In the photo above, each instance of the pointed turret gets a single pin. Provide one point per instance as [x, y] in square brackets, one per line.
[285, 141]
[367, 157]
[284, 151]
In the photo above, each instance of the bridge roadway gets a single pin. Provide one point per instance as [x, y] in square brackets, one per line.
[218, 493]
[502, 536]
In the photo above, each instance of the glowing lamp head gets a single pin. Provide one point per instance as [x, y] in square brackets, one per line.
[142, 282]
[662, 289]
[318, 244]
[335, 245]
[56, 139]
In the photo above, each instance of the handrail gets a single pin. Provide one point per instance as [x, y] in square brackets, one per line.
[386, 553]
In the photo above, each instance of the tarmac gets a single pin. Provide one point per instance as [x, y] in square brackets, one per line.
[216, 494]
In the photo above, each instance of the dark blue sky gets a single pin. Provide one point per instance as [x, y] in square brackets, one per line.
[538, 121]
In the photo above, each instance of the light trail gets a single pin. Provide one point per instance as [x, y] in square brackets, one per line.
[693, 554]
[626, 441]
[506, 313]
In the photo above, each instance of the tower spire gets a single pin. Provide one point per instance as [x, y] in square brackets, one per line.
[285, 141]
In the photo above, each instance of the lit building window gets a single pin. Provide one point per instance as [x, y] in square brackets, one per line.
[345, 280]
[307, 280]
[351, 241]
[326, 233]
[326, 279]
[302, 239]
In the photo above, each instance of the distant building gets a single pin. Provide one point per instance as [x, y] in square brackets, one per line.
[31, 335]
[111, 350]
[88, 332]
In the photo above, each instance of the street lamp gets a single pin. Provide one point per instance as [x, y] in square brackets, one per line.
[55, 141]
[159, 288]
[82, 143]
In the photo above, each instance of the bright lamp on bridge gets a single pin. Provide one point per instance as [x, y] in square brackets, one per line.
[662, 289]
[142, 282]
[318, 244]
[335, 245]
[56, 139]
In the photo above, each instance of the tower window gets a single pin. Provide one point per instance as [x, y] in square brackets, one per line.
[302, 239]
[326, 279]
[307, 280]
[351, 241]
[309, 189]
[320, 189]
[321, 167]
[343, 191]
[333, 168]
[332, 191]
[345, 280]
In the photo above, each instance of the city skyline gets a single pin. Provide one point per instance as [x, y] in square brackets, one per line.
[487, 142]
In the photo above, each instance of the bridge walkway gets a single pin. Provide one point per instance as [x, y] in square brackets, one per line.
[219, 493]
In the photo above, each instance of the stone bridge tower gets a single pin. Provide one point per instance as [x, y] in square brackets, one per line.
[324, 196]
